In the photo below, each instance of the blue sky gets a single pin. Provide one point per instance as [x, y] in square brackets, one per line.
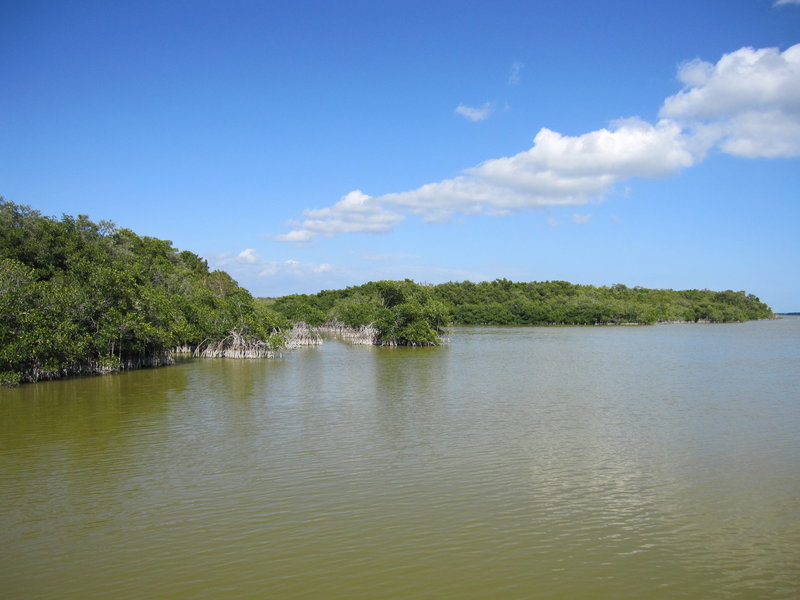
[313, 145]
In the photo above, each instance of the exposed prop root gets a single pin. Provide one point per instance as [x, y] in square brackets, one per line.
[235, 345]
[110, 364]
[302, 334]
[361, 334]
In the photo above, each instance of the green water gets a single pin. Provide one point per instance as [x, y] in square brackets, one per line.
[628, 462]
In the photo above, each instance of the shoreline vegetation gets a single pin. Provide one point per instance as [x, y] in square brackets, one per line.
[405, 312]
[80, 298]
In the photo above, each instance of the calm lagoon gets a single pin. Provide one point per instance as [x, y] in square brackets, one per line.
[583, 462]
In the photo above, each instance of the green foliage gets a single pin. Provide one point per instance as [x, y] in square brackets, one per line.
[404, 312]
[502, 302]
[76, 296]
[357, 310]
[300, 308]
[411, 314]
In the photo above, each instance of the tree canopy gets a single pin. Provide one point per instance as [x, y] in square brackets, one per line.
[79, 297]
[404, 313]
[503, 302]
[84, 297]
[407, 312]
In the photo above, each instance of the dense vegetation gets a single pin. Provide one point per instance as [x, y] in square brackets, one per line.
[403, 312]
[503, 302]
[409, 311]
[84, 297]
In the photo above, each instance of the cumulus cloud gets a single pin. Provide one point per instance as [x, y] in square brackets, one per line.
[747, 104]
[247, 255]
[557, 170]
[475, 114]
[354, 213]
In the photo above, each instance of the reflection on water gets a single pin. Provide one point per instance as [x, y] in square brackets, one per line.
[514, 462]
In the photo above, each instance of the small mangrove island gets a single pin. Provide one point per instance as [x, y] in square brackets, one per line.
[78, 297]
[504, 302]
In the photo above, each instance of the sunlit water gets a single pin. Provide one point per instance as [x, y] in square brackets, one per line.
[593, 462]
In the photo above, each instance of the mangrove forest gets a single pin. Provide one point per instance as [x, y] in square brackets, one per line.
[397, 305]
[79, 297]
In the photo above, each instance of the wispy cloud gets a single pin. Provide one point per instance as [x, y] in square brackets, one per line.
[248, 263]
[747, 104]
[781, 2]
[291, 267]
[475, 114]
[390, 256]
[297, 236]
[581, 219]
[514, 77]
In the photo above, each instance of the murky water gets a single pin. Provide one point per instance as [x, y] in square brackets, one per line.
[647, 462]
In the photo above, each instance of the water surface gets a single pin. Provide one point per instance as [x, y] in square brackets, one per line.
[587, 462]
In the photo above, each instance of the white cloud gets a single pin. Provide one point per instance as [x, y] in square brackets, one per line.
[557, 170]
[475, 114]
[297, 236]
[247, 255]
[748, 103]
[781, 2]
[695, 72]
[354, 213]
[247, 264]
[557, 163]
[291, 267]
[514, 75]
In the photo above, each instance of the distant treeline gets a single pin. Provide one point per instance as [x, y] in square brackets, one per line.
[83, 297]
[503, 302]
[404, 308]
